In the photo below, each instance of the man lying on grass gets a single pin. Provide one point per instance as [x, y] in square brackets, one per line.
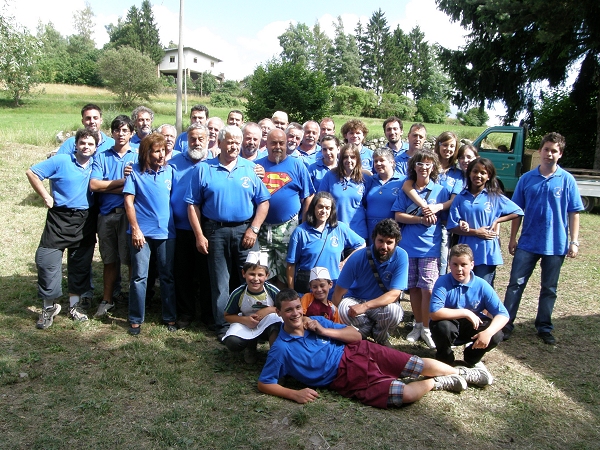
[320, 353]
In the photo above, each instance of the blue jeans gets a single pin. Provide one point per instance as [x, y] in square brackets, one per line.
[140, 262]
[522, 268]
[226, 256]
[487, 272]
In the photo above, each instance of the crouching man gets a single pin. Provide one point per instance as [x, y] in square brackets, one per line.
[320, 353]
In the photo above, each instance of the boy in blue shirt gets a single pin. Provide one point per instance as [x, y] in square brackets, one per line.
[456, 311]
[320, 353]
[549, 197]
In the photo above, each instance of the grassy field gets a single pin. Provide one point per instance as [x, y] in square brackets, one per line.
[91, 385]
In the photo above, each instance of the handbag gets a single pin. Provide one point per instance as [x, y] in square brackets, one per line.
[302, 278]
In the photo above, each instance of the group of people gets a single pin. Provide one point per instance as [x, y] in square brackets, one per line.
[285, 233]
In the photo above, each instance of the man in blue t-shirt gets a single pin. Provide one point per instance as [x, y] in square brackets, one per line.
[142, 118]
[91, 118]
[288, 181]
[549, 197]
[457, 307]
[416, 138]
[198, 114]
[373, 279]
[320, 353]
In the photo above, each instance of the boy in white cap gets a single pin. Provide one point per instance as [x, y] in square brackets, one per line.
[251, 311]
[315, 303]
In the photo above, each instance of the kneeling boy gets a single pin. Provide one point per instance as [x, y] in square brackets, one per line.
[320, 353]
[457, 304]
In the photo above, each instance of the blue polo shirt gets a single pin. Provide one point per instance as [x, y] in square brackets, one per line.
[135, 141]
[183, 167]
[481, 211]
[366, 158]
[452, 180]
[317, 171]
[402, 163]
[309, 158]
[379, 198]
[68, 146]
[422, 241]
[546, 203]
[152, 191]
[226, 196]
[348, 196]
[108, 165]
[358, 277]
[476, 296]
[181, 142]
[70, 181]
[288, 183]
[311, 359]
[307, 243]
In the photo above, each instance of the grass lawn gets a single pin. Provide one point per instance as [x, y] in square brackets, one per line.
[92, 385]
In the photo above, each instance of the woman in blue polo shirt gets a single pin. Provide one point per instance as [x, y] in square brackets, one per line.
[476, 211]
[320, 241]
[347, 186]
[147, 194]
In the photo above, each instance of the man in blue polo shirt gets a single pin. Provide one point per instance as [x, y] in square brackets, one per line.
[198, 114]
[142, 118]
[309, 147]
[109, 171]
[371, 304]
[91, 118]
[291, 190]
[68, 226]
[393, 130]
[233, 203]
[457, 307]
[416, 138]
[549, 197]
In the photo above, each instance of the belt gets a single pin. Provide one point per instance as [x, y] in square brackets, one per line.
[116, 211]
[64, 209]
[228, 224]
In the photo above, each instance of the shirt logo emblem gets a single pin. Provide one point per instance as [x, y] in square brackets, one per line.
[488, 207]
[334, 241]
[557, 191]
[168, 184]
[276, 180]
[245, 182]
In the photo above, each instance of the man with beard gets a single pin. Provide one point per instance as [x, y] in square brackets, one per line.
[291, 191]
[293, 135]
[393, 130]
[233, 203]
[370, 284]
[142, 118]
[190, 269]
[214, 125]
[198, 114]
[416, 138]
[309, 145]
[251, 137]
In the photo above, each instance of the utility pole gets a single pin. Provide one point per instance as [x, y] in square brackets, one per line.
[178, 114]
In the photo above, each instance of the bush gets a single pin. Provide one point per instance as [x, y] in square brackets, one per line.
[474, 117]
[396, 105]
[428, 111]
[353, 101]
[224, 100]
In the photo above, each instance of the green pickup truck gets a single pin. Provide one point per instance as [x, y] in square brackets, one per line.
[505, 147]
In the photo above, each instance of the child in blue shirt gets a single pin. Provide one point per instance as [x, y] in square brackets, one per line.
[458, 302]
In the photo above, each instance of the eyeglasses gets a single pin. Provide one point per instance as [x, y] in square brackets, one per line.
[424, 165]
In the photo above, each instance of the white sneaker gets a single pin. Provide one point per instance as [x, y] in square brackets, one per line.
[426, 336]
[415, 334]
[452, 383]
[103, 308]
[77, 313]
[476, 376]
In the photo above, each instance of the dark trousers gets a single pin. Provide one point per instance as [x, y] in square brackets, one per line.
[446, 333]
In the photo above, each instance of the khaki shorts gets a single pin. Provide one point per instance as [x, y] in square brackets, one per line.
[112, 234]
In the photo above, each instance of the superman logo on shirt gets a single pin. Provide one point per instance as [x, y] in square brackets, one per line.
[276, 180]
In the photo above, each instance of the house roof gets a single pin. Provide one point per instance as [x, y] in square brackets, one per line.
[170, 50]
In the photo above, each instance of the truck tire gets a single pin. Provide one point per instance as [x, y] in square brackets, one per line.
[588, 203]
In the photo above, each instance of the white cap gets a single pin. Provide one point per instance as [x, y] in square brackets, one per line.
[257, 258]
[319, 273]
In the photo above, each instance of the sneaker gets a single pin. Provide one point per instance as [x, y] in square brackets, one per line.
[103, 308]
[477, 376]
[171, 327]
[77, 313]
[426, 336]
[47, 316]
[415, 334]
[547, 338]
[452, 383]
[85, 302]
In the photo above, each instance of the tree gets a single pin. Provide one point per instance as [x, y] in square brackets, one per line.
[296, 43]
[19, 55]
[474, 117]
[343, 66]
[83, 22]
[396, 78]
[302, 93]
[320, 49]
[512, 46]
[129, 85]
[372, 44]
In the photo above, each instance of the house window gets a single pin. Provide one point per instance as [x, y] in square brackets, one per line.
[172, 59]
[195, 60]
[212, 64]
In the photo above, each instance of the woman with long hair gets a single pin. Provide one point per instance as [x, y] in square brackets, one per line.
[319, 241]
[147, 194]
[475, 213]
[346, 184]
[466, 153]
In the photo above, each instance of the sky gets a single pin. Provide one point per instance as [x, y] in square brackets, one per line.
[243, 34]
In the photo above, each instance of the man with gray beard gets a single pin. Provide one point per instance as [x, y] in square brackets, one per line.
[190, 266]
[251, 138]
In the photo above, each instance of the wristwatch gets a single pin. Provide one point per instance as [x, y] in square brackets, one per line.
[575, 243]
[255, 229]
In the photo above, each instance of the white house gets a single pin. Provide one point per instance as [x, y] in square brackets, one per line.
[194, 62]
